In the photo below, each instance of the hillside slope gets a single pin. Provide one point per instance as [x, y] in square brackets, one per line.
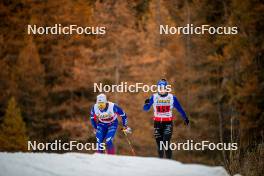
[43, 164]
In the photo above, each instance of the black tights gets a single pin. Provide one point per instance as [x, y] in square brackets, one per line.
[162, 133]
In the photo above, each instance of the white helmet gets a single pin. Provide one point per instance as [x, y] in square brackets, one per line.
[101, 98]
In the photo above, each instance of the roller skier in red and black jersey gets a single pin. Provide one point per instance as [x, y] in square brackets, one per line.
[163, 104]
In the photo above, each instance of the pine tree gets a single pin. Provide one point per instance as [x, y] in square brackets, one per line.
[13, 135]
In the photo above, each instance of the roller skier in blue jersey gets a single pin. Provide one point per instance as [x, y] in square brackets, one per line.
[163, 104]
[103, 117]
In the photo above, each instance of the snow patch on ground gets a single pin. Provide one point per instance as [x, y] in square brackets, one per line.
[76, 164]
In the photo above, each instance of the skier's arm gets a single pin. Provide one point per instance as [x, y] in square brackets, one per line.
[148, 103]
[177, 105]
[93, 118]
[122, 114]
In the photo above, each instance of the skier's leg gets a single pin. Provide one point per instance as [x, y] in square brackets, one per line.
[100, 135]
[158, 134]
[168, 127]
[110, 137]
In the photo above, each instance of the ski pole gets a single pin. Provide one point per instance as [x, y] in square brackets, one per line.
[129, 143]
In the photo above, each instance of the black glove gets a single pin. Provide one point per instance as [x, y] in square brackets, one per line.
[187, 121]
[147, 101]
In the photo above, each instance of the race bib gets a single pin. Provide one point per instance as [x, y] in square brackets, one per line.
[162, 109]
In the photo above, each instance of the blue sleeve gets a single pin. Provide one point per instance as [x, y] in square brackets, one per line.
[93, 118]
[177, 105]
[147, 106]
[122, 114]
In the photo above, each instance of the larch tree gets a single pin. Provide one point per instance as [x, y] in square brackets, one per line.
[13, 134]
[30, 79]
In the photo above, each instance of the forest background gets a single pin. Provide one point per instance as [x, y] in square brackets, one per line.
[46, 81]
